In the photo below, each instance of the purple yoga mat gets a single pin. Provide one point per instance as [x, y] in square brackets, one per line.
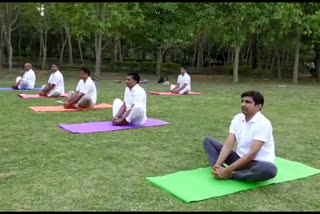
[11, 89]
[95, 127]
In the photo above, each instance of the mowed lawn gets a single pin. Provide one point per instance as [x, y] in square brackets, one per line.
[43, 168]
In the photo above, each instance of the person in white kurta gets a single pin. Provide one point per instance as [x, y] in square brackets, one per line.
[55, 86]
[85, 95]
[27, 81]
[133, 110]
[183, 84]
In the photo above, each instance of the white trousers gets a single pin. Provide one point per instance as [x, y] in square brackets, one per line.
[24, 84]
[84, 102]
[136, 115]
[54, 92]
[183, 91]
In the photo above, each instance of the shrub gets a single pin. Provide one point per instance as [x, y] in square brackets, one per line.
[142, 67]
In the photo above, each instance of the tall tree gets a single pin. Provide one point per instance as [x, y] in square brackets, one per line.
[10, 13]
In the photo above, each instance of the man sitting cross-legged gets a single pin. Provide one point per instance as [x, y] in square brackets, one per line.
[133, 109]
[255, 155]
[85, 95]
[27, 81]
[55, 86]
[183, 84]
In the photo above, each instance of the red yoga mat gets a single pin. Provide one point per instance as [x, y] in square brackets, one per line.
[62, 109]
[172, 94]
[37, 96]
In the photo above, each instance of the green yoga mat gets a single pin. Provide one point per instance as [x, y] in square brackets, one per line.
[199, 184]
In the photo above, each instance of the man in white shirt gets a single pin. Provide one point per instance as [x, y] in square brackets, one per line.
[55, 86]
[184, 83]
[27, 81]
[255, 154]
[134, 108]
[85, 95]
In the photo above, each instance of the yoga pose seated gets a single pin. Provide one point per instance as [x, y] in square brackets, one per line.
[133, 109]
[255, 154]
[55, 86]
[27, 81]
[183, 84]
[85, 95]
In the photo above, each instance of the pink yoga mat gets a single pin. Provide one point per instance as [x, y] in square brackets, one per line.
[96, 127]
[62, 109]
[37, 96]
[172, 94]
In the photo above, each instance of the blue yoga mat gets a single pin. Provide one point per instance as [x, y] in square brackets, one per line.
[11, 89]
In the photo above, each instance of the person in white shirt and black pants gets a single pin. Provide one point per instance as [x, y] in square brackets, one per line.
[133, 110]
[85, 95]
[255, 155]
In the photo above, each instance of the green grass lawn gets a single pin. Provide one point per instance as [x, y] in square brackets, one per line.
[43, 168]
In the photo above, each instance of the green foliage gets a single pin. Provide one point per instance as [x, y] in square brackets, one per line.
[246, 70]
[142, 67]
[43, 168]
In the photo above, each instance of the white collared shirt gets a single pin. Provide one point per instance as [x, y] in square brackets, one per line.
[135, 96]
[184, 79]
[31, 77]
[258, 128]
[56, 78]
[88, 88]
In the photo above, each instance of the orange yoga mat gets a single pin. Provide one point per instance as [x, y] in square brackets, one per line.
[172, 94]
[37, 96]
[62, 109]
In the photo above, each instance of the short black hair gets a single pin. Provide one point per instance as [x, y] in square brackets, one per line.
[185, 68]
[256, 96]
[135, 76]
[86, 70]
[56, 65]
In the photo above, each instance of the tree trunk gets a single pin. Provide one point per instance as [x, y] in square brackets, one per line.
[80, 51]
[63, 44]
[259, 54]
[317, 60]
[10, 51]
[272, 60]
[115, 50]
[236, 64]
[1, 51]
[249, 53]
[283, 55]
[195, 50]
[200, 57]
[267, 61]
[28, 48]
[296, 60]
[44, 58]
[120, 51]
[278, 64]
[287, 59]
[232, 56]
[250, 59]
[19, 43]
[318, 66]
[10, 57]
[68, 35]
[159, 61]
[98, 50]
[41, 45]
[228, 57]
[1, 47]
